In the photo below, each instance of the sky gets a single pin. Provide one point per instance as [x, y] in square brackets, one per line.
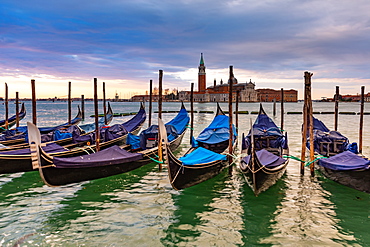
[125, 44]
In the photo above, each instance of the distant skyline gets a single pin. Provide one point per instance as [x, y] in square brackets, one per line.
[125, 43]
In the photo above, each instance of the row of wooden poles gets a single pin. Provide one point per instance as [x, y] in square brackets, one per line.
[307, 111]
[34, 115]
[308, 121]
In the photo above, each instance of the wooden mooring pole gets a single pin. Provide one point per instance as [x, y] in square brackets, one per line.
[97, 132]
[83, 106]
[231, 79]
[16, 109]
[310, 120]
[282, 109]
[104, 105]
[160, 109]
[69, 103]
[361, 118]
[6, 107]
[191, 112]
[336, 108]
[237, 112]
[150, 101]
[274, 108]
[33, 89]
[160, 94]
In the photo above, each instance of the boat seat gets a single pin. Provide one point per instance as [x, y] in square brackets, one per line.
[331, 148]
[265, 142]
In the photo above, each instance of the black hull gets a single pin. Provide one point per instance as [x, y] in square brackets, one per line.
[61, 176]
[22, 163]
[359, 180]
[261, 178]
[183, 176]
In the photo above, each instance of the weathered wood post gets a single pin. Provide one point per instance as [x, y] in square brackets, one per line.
[104, 105]
[16, 109]
[191, 112]
[69, 103]
[33, 89]
[231, 77]
[6, 107]
[160, 108]
[150, 101]
[361, 118]
[274, 108]
[304, 130]
[336, 108]
[237, 112]
[310, 119]
[97, 132]
[160, 94]
[83, 106]
[282, 109]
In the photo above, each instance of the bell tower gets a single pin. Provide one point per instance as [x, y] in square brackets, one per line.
[201, 75]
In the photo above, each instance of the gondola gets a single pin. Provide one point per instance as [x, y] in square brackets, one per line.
[17, 136]
[341, 161]
[19, 160]
[205, 159]
[265, 146]
[56, 171]
[12, 120]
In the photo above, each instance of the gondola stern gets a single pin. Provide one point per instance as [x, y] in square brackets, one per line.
[219, 110]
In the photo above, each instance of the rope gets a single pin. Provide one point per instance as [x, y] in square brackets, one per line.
[160, 162]
[318, 158]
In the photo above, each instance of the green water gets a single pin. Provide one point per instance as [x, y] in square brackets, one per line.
[140, 208]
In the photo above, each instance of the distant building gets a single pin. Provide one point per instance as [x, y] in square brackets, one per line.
[220, 92]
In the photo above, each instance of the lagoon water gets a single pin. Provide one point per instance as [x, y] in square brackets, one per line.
[140, 208]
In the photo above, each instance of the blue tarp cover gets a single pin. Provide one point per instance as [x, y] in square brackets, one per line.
[136, 121]
[266, 158]
[49, 148]
[264, 126]
[322, 134]
[110, 156]
[133, 140]
[217, 131]
[152, 132]
[180, 121]
[345, 161]
[201, 156]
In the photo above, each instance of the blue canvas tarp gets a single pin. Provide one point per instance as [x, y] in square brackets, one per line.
[266, 158]
[264, 126]
[217, 131]
[201, 156]
[110, 156]
[345, 161]
[322, 134]
[180, 121]
[136, 121]
[152, 133]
